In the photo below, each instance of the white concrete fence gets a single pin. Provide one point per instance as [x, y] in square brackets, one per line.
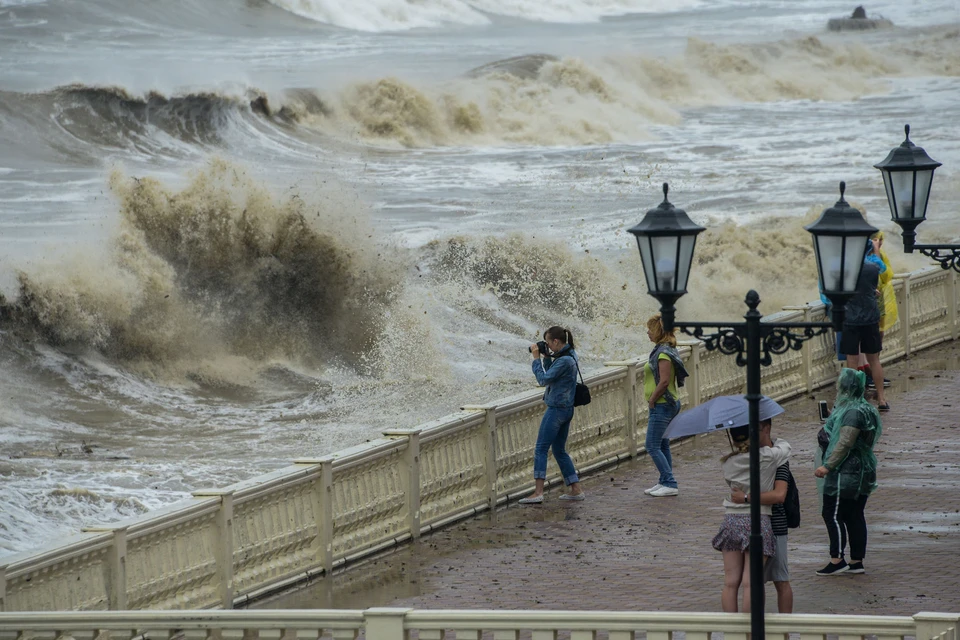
[404, 624]
[227, 546]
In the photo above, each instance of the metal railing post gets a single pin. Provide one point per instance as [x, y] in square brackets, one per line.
[384, 623]
[905, 314]
[323, 511]
[117, 558]
[411, 457]
[490, 457]
[629, 404]
[953, 304]
[490, 462]
[931, 625]
[224, 544]
[694, 393]
[806, 355]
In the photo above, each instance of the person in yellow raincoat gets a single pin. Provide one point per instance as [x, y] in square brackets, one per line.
[888, 299]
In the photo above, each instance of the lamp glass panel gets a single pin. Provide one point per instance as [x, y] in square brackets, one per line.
[646, 257]
[856, 249]
[687, 243]
[902, 185]
[829, 251]
[891, 200]
[924, 178]
[665, 262]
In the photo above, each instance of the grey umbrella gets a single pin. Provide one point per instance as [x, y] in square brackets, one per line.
[722, 412]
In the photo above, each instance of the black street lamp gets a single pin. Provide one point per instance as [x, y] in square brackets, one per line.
[666, 238]
[908, 175]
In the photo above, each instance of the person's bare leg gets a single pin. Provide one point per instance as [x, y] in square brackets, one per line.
[852, 362]
[876, 369]
[537, 488]
[745, 583]
[575, 489]
[784, 597]
[732, 572]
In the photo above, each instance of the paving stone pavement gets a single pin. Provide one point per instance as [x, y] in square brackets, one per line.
[623, 550]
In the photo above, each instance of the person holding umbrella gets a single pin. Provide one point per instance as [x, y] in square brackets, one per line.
[733, 539]
[732, 413]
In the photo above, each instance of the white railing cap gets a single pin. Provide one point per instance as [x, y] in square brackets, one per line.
[58, 551]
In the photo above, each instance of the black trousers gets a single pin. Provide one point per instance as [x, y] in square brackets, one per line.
[844, 519]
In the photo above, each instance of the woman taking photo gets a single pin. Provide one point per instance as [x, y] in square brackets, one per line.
[662, 374]
[558, 373]
[849, 471]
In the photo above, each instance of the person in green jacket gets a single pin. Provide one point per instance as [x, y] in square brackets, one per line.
[849, 471]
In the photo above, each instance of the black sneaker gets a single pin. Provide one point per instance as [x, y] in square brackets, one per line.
[886, 382]
[833, 569]
[855, 567]
[873, 385]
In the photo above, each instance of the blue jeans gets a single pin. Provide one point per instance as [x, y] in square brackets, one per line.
[658, 447]
[554, 429]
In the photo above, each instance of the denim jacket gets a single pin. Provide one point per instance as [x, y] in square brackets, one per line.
[559, 375]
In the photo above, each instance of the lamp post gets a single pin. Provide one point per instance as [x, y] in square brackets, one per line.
[666, 238]
[908, 175]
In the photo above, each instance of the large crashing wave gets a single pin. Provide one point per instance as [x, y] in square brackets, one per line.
[398, 15]
[220, 274]
[83, 117]
[538, 100]
[528, 100]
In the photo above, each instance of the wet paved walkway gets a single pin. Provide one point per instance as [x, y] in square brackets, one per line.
[622, 550]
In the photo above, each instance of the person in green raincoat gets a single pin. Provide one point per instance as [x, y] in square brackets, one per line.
[849, 471]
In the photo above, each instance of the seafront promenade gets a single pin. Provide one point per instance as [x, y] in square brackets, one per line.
[621, 550]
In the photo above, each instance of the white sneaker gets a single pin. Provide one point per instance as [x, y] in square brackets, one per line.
[652, 489]
[665, 491]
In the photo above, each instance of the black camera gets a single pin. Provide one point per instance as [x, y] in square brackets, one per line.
[542, 346]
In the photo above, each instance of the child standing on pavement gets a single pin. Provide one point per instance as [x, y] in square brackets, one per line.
[776, 569]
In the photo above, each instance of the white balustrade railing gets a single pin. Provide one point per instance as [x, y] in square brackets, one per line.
[232, 544]
[401, 624]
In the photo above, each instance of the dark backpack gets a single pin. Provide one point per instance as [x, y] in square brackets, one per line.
[791, 504]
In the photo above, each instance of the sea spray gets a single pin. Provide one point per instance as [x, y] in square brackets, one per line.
[222, 269]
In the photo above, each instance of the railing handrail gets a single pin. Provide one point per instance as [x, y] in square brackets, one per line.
[381, 623]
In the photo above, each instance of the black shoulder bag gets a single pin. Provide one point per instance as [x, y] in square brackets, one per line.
[581, 394]
[791, 505]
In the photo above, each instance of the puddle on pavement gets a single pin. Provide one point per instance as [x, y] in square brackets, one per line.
[400, 573]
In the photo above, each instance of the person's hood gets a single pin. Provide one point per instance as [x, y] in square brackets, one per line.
[850, 385]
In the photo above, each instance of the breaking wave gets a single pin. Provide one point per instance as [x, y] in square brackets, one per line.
[218, 278]
[398, 15]
[528, 100]
[191, 117]
[542, 100]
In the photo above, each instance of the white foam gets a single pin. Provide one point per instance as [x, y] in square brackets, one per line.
[398, 15]
[575, 11]
[384, 15]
